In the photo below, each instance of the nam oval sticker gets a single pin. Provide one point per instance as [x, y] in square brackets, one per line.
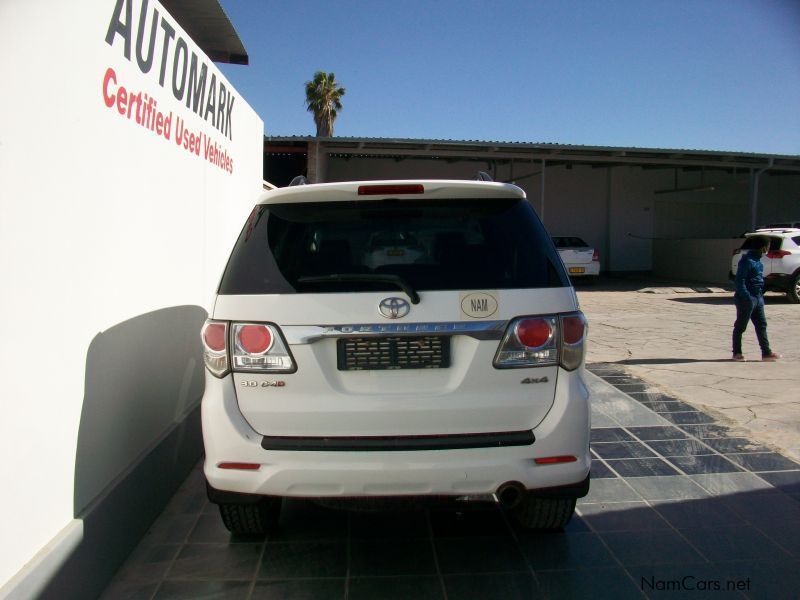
[478, 305]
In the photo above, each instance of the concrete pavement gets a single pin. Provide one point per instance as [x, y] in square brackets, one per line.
[679, 341]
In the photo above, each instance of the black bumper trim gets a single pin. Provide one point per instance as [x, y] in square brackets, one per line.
[400, 442]
[574, 490]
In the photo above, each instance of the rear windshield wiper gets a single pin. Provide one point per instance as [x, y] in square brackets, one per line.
[368, 278]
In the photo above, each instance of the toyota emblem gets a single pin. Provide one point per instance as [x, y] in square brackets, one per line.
[394, 308]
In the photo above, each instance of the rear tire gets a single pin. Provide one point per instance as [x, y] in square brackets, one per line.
[251, 519]
[543, 514]
[793, 293]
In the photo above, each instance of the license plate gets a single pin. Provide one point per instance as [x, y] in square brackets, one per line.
[577, 270]
[379, 353]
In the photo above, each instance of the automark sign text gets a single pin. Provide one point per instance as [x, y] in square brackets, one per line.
[188, 77]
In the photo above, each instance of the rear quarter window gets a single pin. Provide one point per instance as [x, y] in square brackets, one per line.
[433, 245]
[751, 243]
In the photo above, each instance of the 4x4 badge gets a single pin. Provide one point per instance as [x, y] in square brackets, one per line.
[394, 308]
[534, 380]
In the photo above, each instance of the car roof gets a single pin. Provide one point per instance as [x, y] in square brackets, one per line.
[434, 189]
[789, 231]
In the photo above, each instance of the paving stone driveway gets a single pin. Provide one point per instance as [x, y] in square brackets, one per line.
[680, 507]
[680, 341]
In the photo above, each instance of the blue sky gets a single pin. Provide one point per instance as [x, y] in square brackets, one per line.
[690, 74]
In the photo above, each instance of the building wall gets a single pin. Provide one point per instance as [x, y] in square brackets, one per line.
[358, 169]
[725, 211]
[575, 203]
[615, 209]
[779, 199]
[704, 261]
[113, 237]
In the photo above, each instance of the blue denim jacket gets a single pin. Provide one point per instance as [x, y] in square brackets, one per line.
[750, 275]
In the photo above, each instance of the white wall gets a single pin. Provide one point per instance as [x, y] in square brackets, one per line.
[113, 239]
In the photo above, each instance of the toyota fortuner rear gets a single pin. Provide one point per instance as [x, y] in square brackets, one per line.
[395, 339]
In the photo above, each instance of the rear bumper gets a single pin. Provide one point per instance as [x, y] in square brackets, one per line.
[778, 282]
[343, 473]
[575, 490]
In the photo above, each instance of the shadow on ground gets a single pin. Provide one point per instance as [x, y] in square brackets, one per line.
[620, 545]
[720, 299]
[667, 361]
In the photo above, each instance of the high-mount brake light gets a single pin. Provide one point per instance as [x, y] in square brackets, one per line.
[381, 190]
[534, 333]
[255, 339]
[215, 347]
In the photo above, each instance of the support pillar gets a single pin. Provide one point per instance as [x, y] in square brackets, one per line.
[541, 214]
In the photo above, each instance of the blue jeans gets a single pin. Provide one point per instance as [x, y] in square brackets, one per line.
[750, 308]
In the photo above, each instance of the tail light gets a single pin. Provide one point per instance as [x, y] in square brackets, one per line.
[244, 347]
[595, 256]
[215, 347]
[543, 341]
[534, 333]
[573, 340]
[259, 348]
[529, 342]
[778, 253]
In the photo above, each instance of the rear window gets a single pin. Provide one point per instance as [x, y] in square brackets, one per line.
[752, 243]
[569, 242]
[431, 245]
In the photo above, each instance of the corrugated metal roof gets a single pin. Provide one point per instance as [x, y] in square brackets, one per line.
[375, 146]
[520, 144]
[207, 24]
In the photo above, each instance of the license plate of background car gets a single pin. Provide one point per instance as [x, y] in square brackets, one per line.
[577, 270]
[398, 352]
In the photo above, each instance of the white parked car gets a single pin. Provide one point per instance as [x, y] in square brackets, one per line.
[454, 367]
[580, 259]
[781, 263]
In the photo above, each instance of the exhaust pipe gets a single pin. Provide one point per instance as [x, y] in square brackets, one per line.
[510, 494]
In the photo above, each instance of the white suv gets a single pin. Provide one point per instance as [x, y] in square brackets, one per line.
[395, 338]
[781, 262]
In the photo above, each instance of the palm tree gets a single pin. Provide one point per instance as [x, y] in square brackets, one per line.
[323, 99]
